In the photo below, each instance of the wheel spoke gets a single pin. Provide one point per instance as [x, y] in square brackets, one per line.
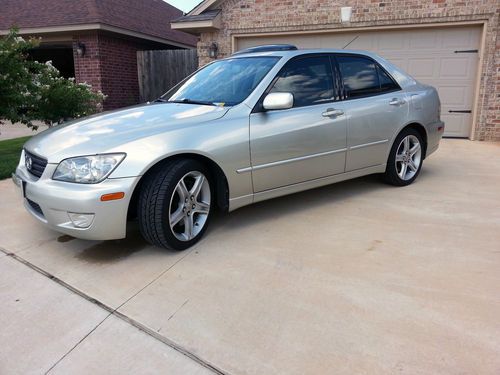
[406, 144]
[412, 166]
[188, 227]
[202, 208]
[198, 184]
[399, 158]
[182, 190]
[402, 172]
[415, 149]
[177, 216]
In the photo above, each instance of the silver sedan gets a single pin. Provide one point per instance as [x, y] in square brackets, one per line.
[262, 123]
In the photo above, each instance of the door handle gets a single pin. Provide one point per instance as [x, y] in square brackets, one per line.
[331, 112]
[396, 101]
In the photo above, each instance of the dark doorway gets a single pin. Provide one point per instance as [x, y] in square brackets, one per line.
[60, 55]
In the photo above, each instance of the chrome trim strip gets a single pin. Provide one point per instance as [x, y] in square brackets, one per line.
[286, 161]
[244, 170]
[368, 144]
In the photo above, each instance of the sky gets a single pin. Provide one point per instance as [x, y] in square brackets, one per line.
[184, 5]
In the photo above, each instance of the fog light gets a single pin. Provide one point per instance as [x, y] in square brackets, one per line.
[81, 220]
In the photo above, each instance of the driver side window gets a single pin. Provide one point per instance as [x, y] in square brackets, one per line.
[308, 79]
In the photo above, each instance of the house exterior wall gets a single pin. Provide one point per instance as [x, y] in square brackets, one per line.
[109, 65]
[266, 16]
[88, 67]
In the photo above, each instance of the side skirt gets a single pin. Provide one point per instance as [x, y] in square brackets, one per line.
[238, 202]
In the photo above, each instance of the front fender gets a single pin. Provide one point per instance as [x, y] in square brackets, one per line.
[224, 141]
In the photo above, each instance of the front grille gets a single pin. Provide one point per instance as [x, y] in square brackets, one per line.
[35, 207]
[34, 164]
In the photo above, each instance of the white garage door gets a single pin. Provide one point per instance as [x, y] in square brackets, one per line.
[446, 58]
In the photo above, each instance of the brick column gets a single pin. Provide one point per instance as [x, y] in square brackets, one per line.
[88, 66]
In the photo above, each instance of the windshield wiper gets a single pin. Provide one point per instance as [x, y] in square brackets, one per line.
[189, 101]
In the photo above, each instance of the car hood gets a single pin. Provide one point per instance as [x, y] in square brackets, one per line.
[105, 132]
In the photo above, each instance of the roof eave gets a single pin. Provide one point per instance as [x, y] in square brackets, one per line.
[197, 27]
[201, 7]
[96, 26]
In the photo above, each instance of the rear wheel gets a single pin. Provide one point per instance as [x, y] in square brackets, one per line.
[175, 204]
[406, 158]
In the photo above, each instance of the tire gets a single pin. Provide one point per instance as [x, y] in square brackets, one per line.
[173, 213]
[405, 159]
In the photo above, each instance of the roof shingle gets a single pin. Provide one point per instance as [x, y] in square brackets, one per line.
[205, 16]
[151, 17]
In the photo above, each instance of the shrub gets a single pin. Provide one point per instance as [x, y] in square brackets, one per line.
[31, 91]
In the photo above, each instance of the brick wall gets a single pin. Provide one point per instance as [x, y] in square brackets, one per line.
[119, 71]
[109, 65]
[88, 67]
[253, 16]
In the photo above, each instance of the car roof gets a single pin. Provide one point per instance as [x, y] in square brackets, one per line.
[299, 52]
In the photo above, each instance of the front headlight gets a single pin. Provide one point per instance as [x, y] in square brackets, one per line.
[87, 169]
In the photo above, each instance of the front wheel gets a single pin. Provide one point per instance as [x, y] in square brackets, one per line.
[406, 158]
[175, 204]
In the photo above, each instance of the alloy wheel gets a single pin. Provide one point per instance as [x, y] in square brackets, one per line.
[408, 157]
[189, 206]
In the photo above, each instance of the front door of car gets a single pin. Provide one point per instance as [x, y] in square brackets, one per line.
[307, 141]
[376, 107]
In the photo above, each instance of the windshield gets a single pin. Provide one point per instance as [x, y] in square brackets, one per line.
[225, 82]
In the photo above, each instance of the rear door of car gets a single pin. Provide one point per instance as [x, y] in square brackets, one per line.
[307, 141]
[375, 106]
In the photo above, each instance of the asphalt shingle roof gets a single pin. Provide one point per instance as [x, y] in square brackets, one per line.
[205, 16]
[151, 17]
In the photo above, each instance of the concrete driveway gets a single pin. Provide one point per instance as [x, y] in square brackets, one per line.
[357, 277]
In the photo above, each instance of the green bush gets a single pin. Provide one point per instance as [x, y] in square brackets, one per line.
[31, 91]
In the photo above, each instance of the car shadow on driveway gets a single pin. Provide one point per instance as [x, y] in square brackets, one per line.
[330, 195]
[299, 202]
[114, 250]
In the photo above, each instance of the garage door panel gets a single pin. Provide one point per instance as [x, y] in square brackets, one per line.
[326, 40]
[456, 67]
[423, 40]
[423, 68]
[392, 42]
[427, 54]
[453, 40]
[454, 96]
[456, 124]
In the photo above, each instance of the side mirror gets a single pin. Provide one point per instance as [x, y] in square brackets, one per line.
[278, 100]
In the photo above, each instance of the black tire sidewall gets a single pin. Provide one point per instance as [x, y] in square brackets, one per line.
[154, 203]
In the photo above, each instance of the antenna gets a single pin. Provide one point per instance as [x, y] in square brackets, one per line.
[356, 37]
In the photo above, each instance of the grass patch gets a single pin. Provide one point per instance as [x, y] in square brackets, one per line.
[10, 152]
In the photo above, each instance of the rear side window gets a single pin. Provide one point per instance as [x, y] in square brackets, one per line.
[308, 79]
[364, 77]
[386, 82]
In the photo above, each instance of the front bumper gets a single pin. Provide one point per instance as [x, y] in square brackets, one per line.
[51, 202]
